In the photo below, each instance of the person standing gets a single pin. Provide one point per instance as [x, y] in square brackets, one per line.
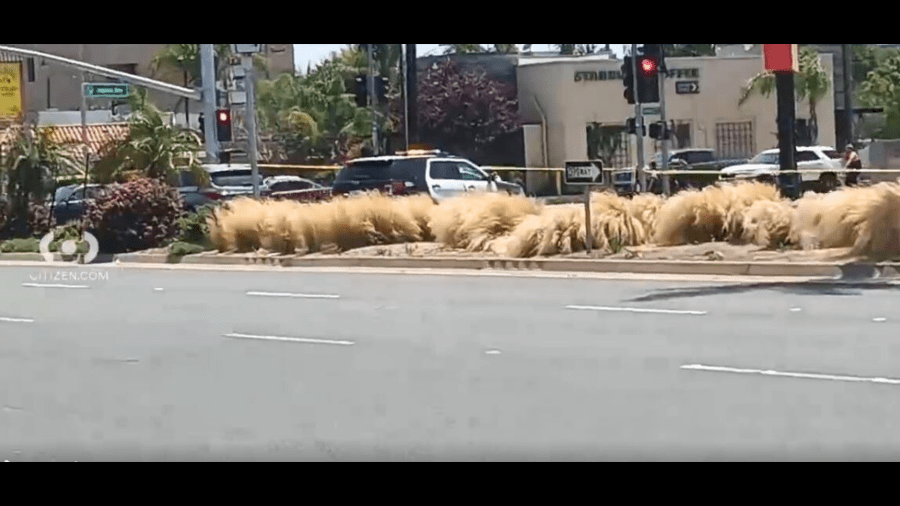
[853, 164]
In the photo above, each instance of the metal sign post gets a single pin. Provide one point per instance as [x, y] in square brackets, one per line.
[587, 174]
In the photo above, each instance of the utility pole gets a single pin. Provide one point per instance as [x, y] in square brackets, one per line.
[412, 94]
[847, 51]
[405, 91]
[251, 121]
[639, 121]
[208, 74]
[667, 188]
[373, 101]
[784, 83]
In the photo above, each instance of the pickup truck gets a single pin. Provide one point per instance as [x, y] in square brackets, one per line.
[700, 160]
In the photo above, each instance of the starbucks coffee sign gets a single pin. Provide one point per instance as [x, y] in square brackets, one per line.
[616, 75]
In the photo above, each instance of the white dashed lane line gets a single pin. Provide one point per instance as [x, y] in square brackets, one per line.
[636, 310]
[793, 375]
[293, 295]
[298, 340]
[4, 319]
[63, 287]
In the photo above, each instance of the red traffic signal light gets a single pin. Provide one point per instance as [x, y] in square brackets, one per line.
[649, 66]
[223, 124]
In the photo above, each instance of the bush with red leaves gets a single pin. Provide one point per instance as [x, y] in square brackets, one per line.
[464, 110]
[135, 216]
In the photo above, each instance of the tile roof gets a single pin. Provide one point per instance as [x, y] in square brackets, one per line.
[99, 135]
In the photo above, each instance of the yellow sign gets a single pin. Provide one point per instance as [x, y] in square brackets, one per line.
[11, 100]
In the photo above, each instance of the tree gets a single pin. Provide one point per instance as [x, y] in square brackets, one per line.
[176, 60]
[882, 89]
[154, 148]
[811, 84]
[464, 112]
[679, 50]
[576, 49]
[462, 48]
[30, 167]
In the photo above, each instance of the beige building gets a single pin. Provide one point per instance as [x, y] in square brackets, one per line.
[564, 100]
[50, 86]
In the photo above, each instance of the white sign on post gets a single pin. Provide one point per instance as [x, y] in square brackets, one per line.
[585, 174]
[246, 48]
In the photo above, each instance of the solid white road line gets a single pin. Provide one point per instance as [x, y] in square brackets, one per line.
[68, 287]
[795, 375]
[290, 340]
[292, 295]
[879, 320]
[636, 310]
[15, 320]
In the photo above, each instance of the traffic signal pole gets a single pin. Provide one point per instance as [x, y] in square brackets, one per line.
[667, 188]
[784, 87]
[251, 122]
[639, 120]
[373, 100]
[208, 75]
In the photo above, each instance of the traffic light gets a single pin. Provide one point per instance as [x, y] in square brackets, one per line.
[223, 125]
[659, 131]
[361, 91]
[382, 84]
[628, 79]
[649, 63]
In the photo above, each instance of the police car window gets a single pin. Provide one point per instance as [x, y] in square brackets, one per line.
[468, 173]
[807, 156]
[445, 170]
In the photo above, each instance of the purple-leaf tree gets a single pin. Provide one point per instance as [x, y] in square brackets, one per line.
[464, 111]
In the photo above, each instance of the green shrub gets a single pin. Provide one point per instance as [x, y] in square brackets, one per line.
[181, 249]
[195, 228]
[70, 232]
[135, 216]
[29, 245]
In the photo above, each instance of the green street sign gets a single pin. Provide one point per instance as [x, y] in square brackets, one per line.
[651, 110]
[94, 90]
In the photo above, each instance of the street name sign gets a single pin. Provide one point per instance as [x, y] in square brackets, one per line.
[687, 87]
[651, 110]
[106, 90]
[584, 173]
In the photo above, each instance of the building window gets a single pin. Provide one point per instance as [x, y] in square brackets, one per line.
[735, 140]
[682, 135]
[609, 143]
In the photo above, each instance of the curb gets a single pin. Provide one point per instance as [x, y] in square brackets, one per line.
[758, 269]
[684, 268]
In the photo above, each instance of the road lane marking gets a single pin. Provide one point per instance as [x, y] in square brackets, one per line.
[493, 352]
[879, 320]
[796, 310]
[290, 339]
[67, 287]
[15, 320]
[794, 375]
[158, 290]
[636, 310]
[292, 295]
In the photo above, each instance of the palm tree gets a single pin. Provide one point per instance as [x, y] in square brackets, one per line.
[575, 49]
[811, 84]
[154, 148]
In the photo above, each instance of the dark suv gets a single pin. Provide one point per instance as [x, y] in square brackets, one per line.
[433, 173]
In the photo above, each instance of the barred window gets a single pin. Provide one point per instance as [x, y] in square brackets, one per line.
[735, 140]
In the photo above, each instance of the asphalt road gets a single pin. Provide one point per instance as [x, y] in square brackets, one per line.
[131, 364]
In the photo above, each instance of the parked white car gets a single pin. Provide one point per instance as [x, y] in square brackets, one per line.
[817, 161]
